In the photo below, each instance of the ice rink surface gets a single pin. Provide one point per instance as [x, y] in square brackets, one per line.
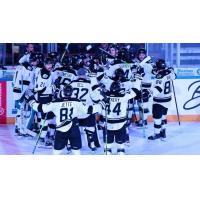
[181, 140]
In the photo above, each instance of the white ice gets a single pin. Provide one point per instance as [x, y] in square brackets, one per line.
[181, 140]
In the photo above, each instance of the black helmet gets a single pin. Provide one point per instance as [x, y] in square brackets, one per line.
[67, 91]
[119, 73]
[123, 54]
[115, 87]
[40, 56]
[142, 50]
[32, 57]
[53, 55]
[160, 64]
[48, 61]
[66, 61]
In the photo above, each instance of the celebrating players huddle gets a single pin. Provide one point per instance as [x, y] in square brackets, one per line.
[59, 98]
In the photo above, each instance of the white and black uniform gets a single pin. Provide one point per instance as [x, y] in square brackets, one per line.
[162, 95]
[116, 117]
[68, 75]
[57, 70]
[146, 83]
[24, 58]
[85, 91]
[23, 80]
[126, 66]
[44, 89]
[66, 111]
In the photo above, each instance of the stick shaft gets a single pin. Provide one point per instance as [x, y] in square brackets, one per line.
[176, 103]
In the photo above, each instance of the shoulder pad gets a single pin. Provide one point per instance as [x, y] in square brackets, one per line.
[149, 62]
[159, 76]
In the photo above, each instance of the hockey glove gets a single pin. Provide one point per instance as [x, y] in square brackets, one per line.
[26, 64]
[29, 96]
[140, 70]
[146, 94]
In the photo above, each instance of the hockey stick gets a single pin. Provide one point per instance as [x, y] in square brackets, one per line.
[134, 114]
[176, 103]
[66, 51]
[142, 106]
[148, 58]
[107, 53]
[106, 131]
[43, 123]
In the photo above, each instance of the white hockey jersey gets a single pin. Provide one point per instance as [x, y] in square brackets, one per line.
[24, 58]
[147, 78]
[23, 80]
[162, 87]
[127, 68]
[68, 76]
[84, 91]
[65, 111]
[117, 110]
[43, 86]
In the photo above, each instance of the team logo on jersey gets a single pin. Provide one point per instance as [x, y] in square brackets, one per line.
[45, 76]
[194, 102]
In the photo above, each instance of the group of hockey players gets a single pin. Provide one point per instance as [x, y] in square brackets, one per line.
[61, 97]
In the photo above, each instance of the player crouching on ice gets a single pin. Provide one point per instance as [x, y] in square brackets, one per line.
[66, 110]
[162, 95]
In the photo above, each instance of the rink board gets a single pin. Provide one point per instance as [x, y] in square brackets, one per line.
[187, 91]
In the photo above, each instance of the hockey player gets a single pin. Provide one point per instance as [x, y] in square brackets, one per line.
[122, 61]
[145, 66]
[113, 50]
[54, 56]
[44, 94]
[23, 80]
[116, 117]
[66, 110]
[88, 92]
[29, 50]
[162, 95]
[68, 74]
